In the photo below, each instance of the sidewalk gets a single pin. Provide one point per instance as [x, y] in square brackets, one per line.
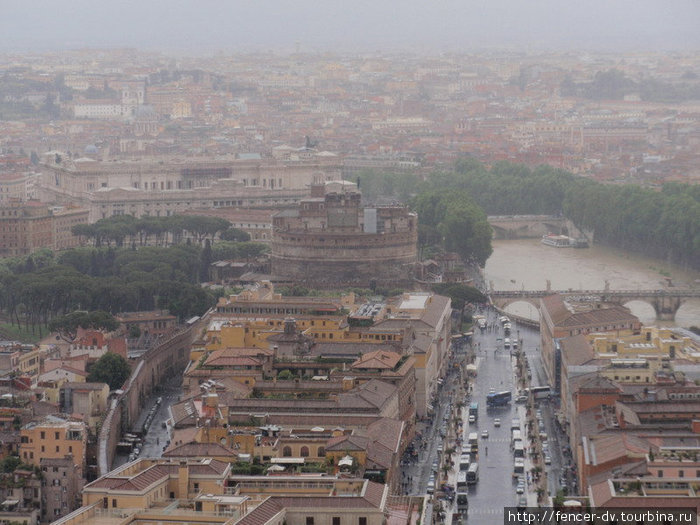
[532, 486]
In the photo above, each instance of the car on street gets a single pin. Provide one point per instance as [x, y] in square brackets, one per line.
[485, 434]
[520, 488]
[522, 501]
[547, 460]
[496, 422]
[521, 399]
[472, 419]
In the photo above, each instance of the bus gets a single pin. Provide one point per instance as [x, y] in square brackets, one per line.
[461, 480]
[473, 474]
[498, 399]
[474, 410]
[464, 461]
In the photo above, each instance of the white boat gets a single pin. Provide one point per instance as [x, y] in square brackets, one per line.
[558, 241]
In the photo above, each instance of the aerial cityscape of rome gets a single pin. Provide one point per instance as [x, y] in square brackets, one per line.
[333, 263]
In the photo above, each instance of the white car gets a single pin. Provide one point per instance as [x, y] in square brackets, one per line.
[496, 422]
[485, 434]
[472, 419]
[547, 460]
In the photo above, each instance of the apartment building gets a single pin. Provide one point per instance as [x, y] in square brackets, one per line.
[53, 437]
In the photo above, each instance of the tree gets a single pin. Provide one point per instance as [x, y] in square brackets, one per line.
[112, 369]
[67, 325]
[234, 234]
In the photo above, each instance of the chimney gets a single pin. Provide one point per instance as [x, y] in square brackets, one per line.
[212, 400]
[183, 480]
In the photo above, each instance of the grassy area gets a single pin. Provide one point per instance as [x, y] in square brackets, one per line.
[11, 332]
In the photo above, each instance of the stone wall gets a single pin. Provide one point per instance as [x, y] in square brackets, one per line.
[165, 360]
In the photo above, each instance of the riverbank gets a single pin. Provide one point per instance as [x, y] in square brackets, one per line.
[527, 264]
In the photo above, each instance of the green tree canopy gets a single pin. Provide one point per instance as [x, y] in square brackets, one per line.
[67, 325]
[460, 294]
[112, 369]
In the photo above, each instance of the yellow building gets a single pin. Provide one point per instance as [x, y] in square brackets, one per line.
[652, 341]
[53, 437]
[143, 483]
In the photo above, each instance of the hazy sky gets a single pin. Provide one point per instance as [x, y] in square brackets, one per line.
[244, 25]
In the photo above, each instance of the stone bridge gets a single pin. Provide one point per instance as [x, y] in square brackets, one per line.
[665, 302]
[525, 226]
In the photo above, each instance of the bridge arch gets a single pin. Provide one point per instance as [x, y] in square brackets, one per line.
[523, 308]
[644, 310]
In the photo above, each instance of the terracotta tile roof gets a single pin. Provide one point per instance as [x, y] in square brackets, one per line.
[136, 483]
[208, 466]
[600, 316]
[350, 443]
[434, 310]
[555, 307]
[576, 350]
[600, 493]
[372, 498]
[386, 431]
[261, 514]
[378, 456]
[381, 359]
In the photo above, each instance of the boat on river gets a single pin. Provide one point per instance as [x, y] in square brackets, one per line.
[563, 241]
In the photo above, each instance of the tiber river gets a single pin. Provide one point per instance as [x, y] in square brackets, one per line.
[527, 264]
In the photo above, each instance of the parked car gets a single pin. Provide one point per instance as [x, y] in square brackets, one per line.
[497, 422]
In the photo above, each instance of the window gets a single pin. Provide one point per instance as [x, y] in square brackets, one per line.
[114, 502]
[362, 521]
[304, 452]
[681, 473]
[336, 520]
[322, 453]
[287, 452]
[309, 520]
[196, 487]
[43, 435]
[660, 473]
[56, 435]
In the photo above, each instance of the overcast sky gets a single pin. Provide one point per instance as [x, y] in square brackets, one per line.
[349, 25]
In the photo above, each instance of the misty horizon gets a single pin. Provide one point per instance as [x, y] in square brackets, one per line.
[448, 26]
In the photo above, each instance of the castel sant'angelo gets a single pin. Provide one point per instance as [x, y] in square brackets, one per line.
[330, 239]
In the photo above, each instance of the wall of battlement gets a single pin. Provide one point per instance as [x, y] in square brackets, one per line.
[322, 259]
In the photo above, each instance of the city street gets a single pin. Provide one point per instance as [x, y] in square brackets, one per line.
[496, 487]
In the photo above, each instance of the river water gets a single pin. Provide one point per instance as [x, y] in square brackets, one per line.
[527, 264]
